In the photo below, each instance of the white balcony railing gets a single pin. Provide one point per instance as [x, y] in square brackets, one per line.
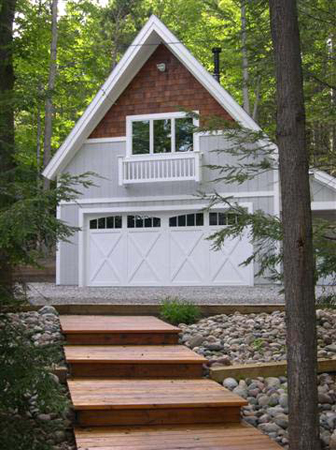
[162, 167]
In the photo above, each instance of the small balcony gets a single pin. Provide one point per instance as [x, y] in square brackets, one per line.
[159, 168]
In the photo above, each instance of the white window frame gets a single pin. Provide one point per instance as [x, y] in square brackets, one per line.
[151, 118]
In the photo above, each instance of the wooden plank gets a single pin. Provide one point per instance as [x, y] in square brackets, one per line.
[123, 338]
[154, 309]
[159, 370]
[162, 416]
[137, 354]
[233, 436]
[114, 324]
[106, 394]
[271, 369]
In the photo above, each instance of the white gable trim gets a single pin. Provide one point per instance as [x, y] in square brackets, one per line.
[324, 178]
[154, 32]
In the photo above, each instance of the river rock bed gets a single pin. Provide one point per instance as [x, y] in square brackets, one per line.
[268, 406]
[252, 338]
[43, 328]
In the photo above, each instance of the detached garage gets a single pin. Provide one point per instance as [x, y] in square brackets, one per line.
[162, 249]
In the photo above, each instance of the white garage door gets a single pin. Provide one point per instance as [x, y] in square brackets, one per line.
[165, 249]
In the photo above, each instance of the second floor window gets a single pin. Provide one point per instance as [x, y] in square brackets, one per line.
[158, 134]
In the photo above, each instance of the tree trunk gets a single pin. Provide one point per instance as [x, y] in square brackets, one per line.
[7, 9]
[246, 101]
[297, 228]
[49, 109]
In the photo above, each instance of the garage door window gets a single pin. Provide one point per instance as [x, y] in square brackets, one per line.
[106, 223]
[222, 219]
[143, 222]
[187, 220]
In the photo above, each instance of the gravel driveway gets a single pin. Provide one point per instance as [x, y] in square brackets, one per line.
[49, 293]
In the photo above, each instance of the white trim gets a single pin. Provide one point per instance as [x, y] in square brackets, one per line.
[323, 206]
[105, 140]
[81, 252]
[88, 201]
[58, 251]
[83, 214]
[154, 32]
[324, 178]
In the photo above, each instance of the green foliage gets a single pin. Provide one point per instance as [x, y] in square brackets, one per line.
[177, 311]
[326, 301]
[258, 344]
[23, 377]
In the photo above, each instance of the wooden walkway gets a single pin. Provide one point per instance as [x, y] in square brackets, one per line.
[133, 387]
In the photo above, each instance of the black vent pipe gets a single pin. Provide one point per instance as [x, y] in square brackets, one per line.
[216, 51]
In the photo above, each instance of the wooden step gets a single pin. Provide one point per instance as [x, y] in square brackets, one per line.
[138, 361]
[233, 436]
[105, 402]
[118, 330]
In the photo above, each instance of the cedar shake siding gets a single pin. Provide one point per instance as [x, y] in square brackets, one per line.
[152, 91]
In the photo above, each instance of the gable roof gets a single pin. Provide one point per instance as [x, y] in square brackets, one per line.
[152, 34]
[324, 178]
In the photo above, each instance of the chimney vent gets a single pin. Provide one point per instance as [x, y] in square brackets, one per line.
[216, 51]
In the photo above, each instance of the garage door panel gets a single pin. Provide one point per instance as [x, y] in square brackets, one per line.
[106, 261]
[225, 268]
[187, 256]
[146, 250]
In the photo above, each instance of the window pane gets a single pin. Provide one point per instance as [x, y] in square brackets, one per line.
[109, 222]
[199, 219]
[140, 144]
[101, 222]
[213, 219]
[130, 221]
[148, 222]
[139, 222]
[181, 221]
[222, 219]
[117, 222]
[173, 221]
[184, 135]
[93, 224]
[162, 136]
[191, 220]
[156, 222]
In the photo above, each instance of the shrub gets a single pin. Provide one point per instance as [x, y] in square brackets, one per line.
[326, 301]
[177, 311]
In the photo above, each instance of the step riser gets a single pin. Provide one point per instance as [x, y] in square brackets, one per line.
[126, 417]
[122, 339]
[96, 370]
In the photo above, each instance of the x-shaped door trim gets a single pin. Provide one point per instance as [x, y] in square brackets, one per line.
[105, 257]
[144, 255]
[187, 255]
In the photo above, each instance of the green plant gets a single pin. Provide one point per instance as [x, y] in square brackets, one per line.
[177, 311]
[258, 344]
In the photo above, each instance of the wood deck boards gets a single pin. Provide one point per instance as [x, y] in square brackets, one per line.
[134, 389]
[114, 325]
[143, 394]
[233, 436]
[137, 354]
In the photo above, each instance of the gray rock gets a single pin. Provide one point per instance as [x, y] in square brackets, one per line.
[332, 441]
[263, 400]
[331, 348]
[272, 382]
[196, 341]
[251, 420]
[283, 400]
[240, 391]
[269, 427]
[214, 347]
[44, 417]
[324, 398]
[47, 309]
[281, 420]
[230, 383]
